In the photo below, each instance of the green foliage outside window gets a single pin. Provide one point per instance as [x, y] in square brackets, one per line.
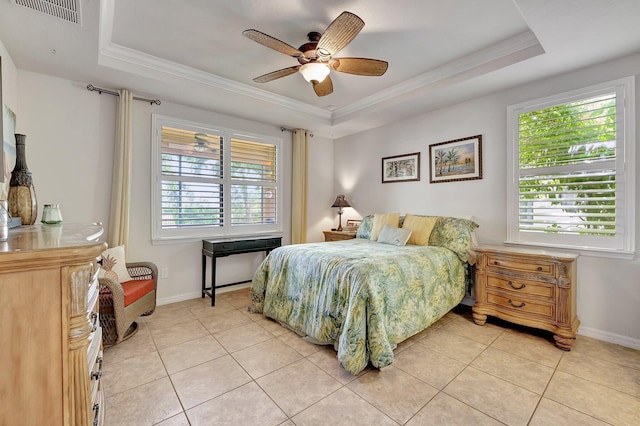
[563, 156]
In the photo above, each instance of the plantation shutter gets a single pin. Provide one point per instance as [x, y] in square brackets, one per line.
[567, 168]
[191, 172]
[253, 182]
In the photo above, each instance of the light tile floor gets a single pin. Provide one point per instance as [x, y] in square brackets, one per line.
[191, 364]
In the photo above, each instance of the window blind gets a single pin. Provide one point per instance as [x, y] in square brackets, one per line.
[567, 168]
[253, 183]
[192, 172]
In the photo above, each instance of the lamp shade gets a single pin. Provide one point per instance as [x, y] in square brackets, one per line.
[341, 202]
[314, 71]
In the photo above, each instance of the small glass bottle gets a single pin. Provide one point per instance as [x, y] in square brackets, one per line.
[51, 214]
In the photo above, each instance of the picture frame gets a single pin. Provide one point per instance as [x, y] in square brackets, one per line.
[401, 168]
[455, 160]
[352, 224]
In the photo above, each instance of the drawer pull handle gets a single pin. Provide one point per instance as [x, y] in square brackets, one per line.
[94, 321]
[495, 262]
[95, 375]
[539, 268]
[96, 417]
[517, 288]
[522, 305]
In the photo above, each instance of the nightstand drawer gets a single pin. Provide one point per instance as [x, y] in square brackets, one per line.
[521, 287]
[521, 305]
[338, 235]
[540, 267]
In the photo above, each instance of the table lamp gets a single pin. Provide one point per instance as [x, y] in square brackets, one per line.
[340, 202]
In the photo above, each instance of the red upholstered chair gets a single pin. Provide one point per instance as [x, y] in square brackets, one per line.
[122, 303]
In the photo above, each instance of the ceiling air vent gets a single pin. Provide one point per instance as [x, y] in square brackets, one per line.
[67, 10]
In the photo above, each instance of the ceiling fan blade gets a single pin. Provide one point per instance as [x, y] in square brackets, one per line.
[324, 88]
[339, 33]
[276, 74]
[272, 42]
[359, 66]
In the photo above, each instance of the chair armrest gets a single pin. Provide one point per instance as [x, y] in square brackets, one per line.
[114, 286]
[143, 271]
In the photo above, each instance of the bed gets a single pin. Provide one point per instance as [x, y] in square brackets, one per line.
[362, 296]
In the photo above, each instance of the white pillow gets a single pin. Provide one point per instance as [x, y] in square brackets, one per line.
[394, 236]
[114, 265]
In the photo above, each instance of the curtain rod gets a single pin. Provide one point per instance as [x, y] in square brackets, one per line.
[286, 129]
[92, 88]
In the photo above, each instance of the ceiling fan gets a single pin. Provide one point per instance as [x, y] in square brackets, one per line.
[316, 56]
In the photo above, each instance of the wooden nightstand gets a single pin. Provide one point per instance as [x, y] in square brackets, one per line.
[338, 235]
[534, 288]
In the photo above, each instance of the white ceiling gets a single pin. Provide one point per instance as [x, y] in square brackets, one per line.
[192, 51]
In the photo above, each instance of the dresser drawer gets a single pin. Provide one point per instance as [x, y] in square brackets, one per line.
[539, 266]
[521, 305]
[519, 287]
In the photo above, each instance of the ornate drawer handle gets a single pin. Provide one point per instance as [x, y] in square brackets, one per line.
[94, 321]
[96, 418]
[95, 375]
[517, 288]
[522, 305]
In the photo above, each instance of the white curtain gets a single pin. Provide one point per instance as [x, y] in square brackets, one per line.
[299, 187]
[121, 181]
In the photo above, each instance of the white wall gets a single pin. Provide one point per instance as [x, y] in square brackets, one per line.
[9, 80]
[70, 133]
[608, 289]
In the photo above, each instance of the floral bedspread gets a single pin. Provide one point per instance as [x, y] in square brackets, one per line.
[361, 296]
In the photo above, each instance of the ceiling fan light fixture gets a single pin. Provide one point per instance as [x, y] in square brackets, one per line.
[314, 71]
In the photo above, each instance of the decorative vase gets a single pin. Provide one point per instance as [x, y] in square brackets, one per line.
[22, 194]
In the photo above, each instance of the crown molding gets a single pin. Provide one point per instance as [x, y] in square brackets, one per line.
[134, 61]
[525, 42]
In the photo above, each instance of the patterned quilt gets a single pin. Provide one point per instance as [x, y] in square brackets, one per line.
[361, 296]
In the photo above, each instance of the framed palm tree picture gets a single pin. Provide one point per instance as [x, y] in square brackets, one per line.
[401, 168]
[458, 159]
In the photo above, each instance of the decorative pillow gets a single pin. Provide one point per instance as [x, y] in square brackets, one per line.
[453, 233]
[380, 220]
[395, 236]
[114, 265]
[364, 230]
[421, 227]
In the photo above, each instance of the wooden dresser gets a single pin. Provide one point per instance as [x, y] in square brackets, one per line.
[50, 335]
[338, 235]
[534, 288]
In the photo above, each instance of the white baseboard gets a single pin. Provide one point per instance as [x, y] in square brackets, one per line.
[610, 337]
[605, 336]
[197, 294]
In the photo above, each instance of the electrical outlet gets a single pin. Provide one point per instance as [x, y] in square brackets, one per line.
[164, 273]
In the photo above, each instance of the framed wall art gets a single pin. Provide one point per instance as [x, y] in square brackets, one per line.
[353, 224]
[459, 159]
[401, 168]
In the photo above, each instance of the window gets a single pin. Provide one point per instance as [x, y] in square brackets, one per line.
[213, 181]
[571, 159]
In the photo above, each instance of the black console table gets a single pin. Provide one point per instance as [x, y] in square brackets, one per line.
[222, 248]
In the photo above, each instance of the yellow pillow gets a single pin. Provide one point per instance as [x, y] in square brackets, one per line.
[380, 220]
[421, 227]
